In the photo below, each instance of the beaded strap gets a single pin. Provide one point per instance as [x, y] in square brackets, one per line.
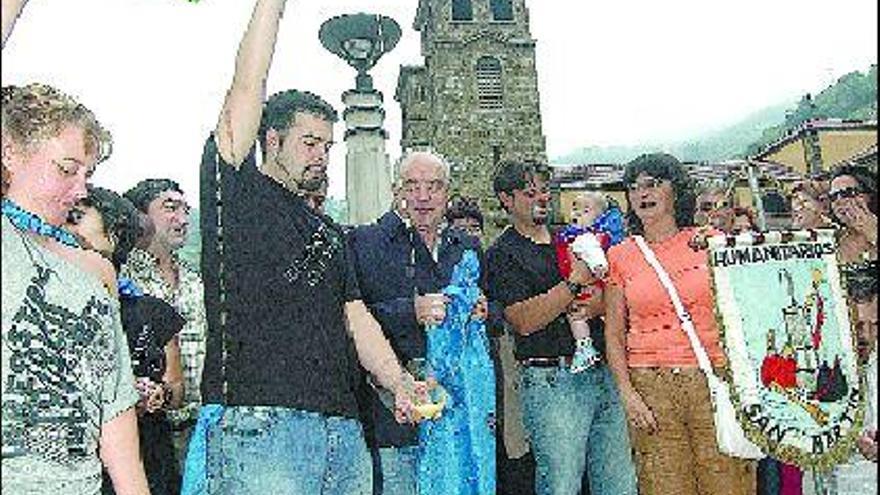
[31, 222]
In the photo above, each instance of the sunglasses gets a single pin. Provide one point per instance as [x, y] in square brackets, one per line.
[708, 206]
[846, 192]
[649, 183]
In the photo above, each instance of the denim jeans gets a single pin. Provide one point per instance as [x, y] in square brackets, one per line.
[263, 450]
[576, 422]
[397, 471]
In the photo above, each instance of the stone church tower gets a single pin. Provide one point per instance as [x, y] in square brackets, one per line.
[475, 100]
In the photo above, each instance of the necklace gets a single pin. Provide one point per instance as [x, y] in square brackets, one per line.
[31, 222]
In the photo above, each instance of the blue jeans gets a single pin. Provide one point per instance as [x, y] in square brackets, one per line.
[398, 470]
[575, 423]
[263, 450]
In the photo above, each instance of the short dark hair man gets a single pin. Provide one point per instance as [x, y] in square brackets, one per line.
[575, 420]
[287, 326]
[158, 270]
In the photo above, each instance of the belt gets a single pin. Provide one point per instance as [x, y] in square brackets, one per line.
[183, 425]
[547, 362]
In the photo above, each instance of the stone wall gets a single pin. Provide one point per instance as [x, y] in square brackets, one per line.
[441, 105]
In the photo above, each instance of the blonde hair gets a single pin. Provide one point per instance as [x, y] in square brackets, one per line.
[38, 112]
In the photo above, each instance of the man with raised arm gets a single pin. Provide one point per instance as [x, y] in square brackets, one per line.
[286, 324]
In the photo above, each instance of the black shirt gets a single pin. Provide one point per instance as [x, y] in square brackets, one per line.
[149, 324]
[286, 275]
[519, 269]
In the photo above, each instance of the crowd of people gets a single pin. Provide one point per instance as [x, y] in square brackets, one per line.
[286, 362]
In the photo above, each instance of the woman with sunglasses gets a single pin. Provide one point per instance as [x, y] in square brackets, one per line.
[109, 224]
[665, 394]
[853, 198]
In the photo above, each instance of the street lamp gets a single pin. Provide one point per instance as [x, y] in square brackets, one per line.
[360, 40]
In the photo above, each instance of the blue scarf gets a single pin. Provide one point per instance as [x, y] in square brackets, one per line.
[457, 454]
[31, 222]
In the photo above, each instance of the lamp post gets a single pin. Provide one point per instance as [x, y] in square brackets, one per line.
[360, 40]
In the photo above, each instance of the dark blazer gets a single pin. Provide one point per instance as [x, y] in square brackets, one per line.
[392, 266]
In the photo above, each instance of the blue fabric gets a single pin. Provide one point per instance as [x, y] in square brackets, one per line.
[280, 451]
[128, 289]
[392, 265]
[31, 222]
[577, 427]
[458, 449]
[611, 222]
[195, 474]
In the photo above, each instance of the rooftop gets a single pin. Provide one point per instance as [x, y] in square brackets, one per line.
[815, 125]
[604, 175]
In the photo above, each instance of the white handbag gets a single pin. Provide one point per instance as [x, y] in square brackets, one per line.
[729, 434]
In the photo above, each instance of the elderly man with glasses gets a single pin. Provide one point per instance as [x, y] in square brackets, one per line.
[403, 261]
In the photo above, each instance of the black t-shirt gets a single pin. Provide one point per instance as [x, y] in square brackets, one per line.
[149, 324]
[518, 269]
[286, 275]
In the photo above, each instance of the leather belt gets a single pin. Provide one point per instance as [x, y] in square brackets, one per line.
[547, 362]
[183, 425]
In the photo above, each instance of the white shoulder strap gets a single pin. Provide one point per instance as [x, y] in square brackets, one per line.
[686, 323]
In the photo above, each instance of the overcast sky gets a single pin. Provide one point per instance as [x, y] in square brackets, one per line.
[610, 72]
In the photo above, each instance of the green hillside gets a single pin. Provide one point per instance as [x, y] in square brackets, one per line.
[724, 144]
[853, 96]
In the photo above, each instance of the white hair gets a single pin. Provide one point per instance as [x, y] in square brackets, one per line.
[411, 156]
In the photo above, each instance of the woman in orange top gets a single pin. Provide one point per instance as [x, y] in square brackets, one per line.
[664, 392]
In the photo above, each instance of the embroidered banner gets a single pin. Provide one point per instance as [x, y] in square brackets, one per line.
[786, 330]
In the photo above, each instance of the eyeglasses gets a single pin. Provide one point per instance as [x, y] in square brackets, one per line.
[846, 192]
[649, 183]
[433, 186]
[708, 206]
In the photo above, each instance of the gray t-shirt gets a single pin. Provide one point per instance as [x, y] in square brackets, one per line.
[66, 370]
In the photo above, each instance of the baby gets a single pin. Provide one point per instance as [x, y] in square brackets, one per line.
[596, 225]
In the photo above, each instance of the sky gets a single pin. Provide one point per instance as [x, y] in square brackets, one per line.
[611, 72]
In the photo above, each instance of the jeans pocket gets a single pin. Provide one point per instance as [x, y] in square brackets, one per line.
[249, 422]
[539, 377]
